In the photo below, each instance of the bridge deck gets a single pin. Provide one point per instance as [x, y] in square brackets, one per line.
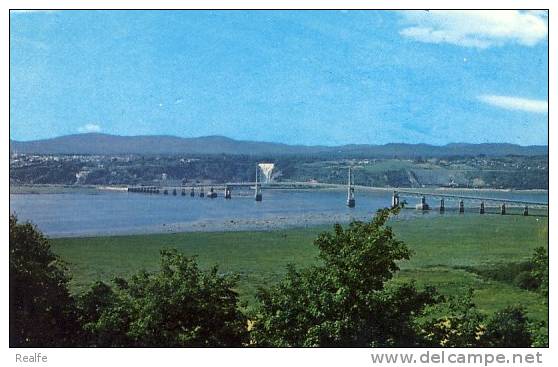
[404, 193]
[467, 197]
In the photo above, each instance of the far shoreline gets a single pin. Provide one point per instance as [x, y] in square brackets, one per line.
[18, 189]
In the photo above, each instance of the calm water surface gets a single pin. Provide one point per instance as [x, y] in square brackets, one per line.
[106, 212]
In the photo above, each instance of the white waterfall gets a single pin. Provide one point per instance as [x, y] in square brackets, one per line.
[267, 170]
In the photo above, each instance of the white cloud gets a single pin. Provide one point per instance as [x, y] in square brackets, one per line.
[90, 128]
[476, 28]
[515, 103]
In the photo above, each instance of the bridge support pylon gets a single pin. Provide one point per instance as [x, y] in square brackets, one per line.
[526, 211]
[258, 192]
[461, 207]
[395, 199]
[442, 206]
[351, 202]
[481, 211]
[503, 209]
[228, 192]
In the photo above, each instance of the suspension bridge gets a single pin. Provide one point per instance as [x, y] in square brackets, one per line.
[399, 196]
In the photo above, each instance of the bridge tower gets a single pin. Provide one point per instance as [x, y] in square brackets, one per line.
[481, 211]
[395, 199]
[350, 191]
[442, 207]
[258, 193]
[526, 211]
[461, 207]
[503, 209]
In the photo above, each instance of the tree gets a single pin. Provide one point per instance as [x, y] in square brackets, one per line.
[344, 301]
[42, 312]
[178, 306]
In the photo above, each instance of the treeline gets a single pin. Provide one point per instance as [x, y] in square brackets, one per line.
[518, 172]
[345, 301]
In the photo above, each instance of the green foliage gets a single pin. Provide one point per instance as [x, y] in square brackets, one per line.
[42, 313]
[519, 172]
[462, 325]
[508, 328]
[344, 302]
[539, 332]
[530, 275]
[540, 269]
[459, 324]
[178, 306]
[347, 298]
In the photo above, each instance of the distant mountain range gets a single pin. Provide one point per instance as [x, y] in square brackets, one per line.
[104, 144]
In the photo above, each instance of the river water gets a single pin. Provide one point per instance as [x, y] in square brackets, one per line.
[90, 213]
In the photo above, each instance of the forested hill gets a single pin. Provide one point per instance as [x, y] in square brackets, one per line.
[103, 144]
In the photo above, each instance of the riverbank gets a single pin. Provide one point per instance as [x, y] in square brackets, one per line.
[446, 249]
[50, 189]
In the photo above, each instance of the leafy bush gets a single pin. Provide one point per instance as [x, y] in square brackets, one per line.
[178, 306]
[540, 269]
[526, 280]
[453, 323]
[462, 325]
[508, 328]
[531, 275]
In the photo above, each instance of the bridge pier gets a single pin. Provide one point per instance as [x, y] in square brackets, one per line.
[192, 193]
[422, 205]
[395, 199]
[202, 194]
[174, 192]
[503, 209]
[212, 194]
[526, 211]
[228, 192]
[481, 211]
[442, 207]
[165, 191]
[461, 207]
[183, 192]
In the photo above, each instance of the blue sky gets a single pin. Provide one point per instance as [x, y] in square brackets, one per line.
[297, 77]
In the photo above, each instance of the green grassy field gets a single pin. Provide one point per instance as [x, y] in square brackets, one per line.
[445, 249]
